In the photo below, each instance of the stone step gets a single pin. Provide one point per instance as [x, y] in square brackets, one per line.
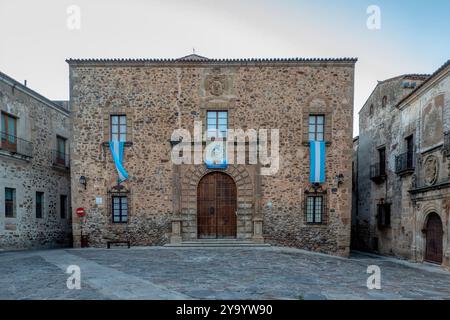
[204, 243]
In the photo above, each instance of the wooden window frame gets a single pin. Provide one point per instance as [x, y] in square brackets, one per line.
[119, 126]
[5, 140]
[11, 203]
[316, 126]
[382, 162]
[61, 156]
[39, 208]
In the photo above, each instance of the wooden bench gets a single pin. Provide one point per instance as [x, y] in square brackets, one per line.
[108, 244]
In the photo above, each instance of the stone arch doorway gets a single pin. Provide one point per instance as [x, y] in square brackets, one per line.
[216, 207]
[434, 239]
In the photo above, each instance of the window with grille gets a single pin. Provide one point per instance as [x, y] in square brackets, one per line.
[10, 205]
[120, 209]
[217, 124]
[119, 128]
[316, 127]
[39, 205]
[315, 209]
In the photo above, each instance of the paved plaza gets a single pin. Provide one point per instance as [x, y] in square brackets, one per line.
[213, 273]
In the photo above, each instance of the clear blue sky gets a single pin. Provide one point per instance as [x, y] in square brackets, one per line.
[414, 35]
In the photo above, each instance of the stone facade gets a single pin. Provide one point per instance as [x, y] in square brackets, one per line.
[412, 127]
[28, 166]
[159, 96]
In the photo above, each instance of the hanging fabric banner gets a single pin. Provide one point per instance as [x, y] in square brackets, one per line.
[317, 161]
[116, 148]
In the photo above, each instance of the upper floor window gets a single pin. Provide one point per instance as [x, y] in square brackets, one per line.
[63, 206]
[61, 150]
[9, 132]
[371, 110]
[217, 123]
[39, 204]
[10, 202]
[119, 128]
[120, 209]
[382, 160]
[384, 102]
[316, 127]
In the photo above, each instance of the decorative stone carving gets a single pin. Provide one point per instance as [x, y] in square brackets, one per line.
[431, 170]
[216, 83]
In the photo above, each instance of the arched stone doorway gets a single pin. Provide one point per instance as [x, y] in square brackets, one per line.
[216, 206]
[434, 239]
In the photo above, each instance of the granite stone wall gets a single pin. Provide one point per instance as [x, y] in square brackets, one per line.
[31, 169]
[158, 97]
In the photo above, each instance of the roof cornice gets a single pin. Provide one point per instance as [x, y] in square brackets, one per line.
[24, 89]
[436, 76]
[185, 62]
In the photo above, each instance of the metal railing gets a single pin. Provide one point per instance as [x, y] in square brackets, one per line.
[377, 171]
[60, 159]
[404, 162]
[16, 145]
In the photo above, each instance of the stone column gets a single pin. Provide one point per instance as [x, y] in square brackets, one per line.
[258, 230]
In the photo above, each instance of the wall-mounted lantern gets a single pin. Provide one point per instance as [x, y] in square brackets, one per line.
[83, 181]
[339, 179]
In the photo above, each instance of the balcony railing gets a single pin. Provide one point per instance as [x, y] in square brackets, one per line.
[377, 172]
[16, 145]
[60, 159]
[404, 163]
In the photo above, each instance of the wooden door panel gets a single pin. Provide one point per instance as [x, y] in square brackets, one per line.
[434, 237]
[216, 202]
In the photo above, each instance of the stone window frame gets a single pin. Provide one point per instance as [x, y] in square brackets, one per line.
[371, 110]
[114, 107]
[318, 111]
[216, 106]
[316, 192]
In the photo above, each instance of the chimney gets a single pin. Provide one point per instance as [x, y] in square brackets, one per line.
[25, 83]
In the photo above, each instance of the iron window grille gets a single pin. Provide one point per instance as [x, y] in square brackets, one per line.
[315, 207]
[119, 205]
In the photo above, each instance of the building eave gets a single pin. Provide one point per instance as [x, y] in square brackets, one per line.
[436, 76]
[24, 89]
[186, 62]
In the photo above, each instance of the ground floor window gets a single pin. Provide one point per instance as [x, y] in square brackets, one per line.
[10, 202]
[63, 206]
[120, 209]
[315, 206]
[39, 204]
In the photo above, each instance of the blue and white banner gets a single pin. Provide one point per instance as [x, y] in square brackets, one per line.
[216, 155]
[116, 148]
[317, 161]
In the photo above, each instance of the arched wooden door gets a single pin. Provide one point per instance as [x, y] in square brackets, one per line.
[434, 235]
[216, 207]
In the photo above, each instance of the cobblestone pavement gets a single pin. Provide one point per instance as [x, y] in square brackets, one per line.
[213, 273]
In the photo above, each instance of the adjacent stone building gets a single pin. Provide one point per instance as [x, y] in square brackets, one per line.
[34, 169]
[403, 176]
[162, 202]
